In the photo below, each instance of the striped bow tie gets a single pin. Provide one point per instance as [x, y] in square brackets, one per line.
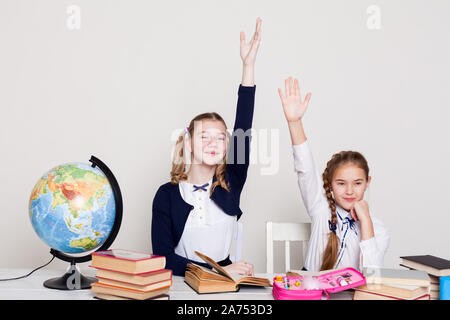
[203, 187]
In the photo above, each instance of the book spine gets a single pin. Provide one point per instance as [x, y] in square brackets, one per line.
[129, 289]
[149, 256]
[444, 291]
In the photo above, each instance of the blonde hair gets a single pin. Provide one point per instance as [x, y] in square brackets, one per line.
[178, 172]
[337, 160]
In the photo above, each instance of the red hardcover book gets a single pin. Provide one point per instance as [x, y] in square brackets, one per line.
[127, 261]
[139, 279]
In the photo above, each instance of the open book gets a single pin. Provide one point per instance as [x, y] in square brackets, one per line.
[204, 280]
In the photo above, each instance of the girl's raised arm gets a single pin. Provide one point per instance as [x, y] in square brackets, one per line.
[294, 109]
[239, 151]
[309, 180]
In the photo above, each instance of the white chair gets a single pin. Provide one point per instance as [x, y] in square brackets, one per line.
[238, 242]
[283, 231]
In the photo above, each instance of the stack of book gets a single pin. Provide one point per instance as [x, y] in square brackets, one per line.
[393, 284]
[434, 266]
[124, 274]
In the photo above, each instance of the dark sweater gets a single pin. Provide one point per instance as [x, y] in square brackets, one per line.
[170, 211]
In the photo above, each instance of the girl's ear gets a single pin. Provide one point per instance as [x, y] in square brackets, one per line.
[368, 181]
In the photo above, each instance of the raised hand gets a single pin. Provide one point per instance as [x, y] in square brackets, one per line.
[293, 106]
[250, 49]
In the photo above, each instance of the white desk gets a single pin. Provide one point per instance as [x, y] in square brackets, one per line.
[32, 288]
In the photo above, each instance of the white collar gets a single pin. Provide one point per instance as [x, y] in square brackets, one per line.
[341, 212]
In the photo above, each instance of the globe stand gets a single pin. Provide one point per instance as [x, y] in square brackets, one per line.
[71, 280]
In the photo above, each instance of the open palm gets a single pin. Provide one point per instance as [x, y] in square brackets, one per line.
[293, 106]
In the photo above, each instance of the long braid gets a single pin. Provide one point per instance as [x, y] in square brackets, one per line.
[331, 250]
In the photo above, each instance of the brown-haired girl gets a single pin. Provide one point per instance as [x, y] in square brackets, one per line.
[198, 209]
[343, 231]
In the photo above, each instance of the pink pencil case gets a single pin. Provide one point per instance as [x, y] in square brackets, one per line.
[313, 287]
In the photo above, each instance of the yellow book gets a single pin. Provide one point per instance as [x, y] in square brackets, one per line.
[142, 288]
[104, 296]
[100, 288]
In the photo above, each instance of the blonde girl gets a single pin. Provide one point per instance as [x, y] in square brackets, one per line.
[198, 209]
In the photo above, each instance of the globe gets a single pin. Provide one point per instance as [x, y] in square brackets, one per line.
[72, 208]
[76, 209]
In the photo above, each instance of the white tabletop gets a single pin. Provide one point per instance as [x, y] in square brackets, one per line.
[32, 288]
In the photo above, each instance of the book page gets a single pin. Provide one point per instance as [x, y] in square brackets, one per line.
[206, 274]
[215, 265]
[235, 277]
[244, 279]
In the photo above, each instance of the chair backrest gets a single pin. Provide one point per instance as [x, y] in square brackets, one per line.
[287, 232]
[238, 242]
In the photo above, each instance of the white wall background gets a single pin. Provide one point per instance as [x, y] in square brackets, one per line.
[135, 71]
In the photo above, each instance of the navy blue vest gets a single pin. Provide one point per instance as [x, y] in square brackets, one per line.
[170, 211]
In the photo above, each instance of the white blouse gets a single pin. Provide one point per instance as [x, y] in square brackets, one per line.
[352, 251]
[208, 229]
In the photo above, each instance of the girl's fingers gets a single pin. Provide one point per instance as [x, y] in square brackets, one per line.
[242, 267]
[254, 44]
[258, 24]
[286, 87]
[280, 92]
[251, 270]
[353, 214]
[296, 88]
[242, 270]
[242, 38]
[249, 267]
[288, 92]
[308, 96]
[291, 86]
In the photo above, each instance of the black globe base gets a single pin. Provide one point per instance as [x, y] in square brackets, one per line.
[71, 280]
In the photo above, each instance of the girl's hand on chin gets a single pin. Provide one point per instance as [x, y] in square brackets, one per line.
[360, 211]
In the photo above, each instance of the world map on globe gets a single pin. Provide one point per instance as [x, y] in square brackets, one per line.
[72, 208]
